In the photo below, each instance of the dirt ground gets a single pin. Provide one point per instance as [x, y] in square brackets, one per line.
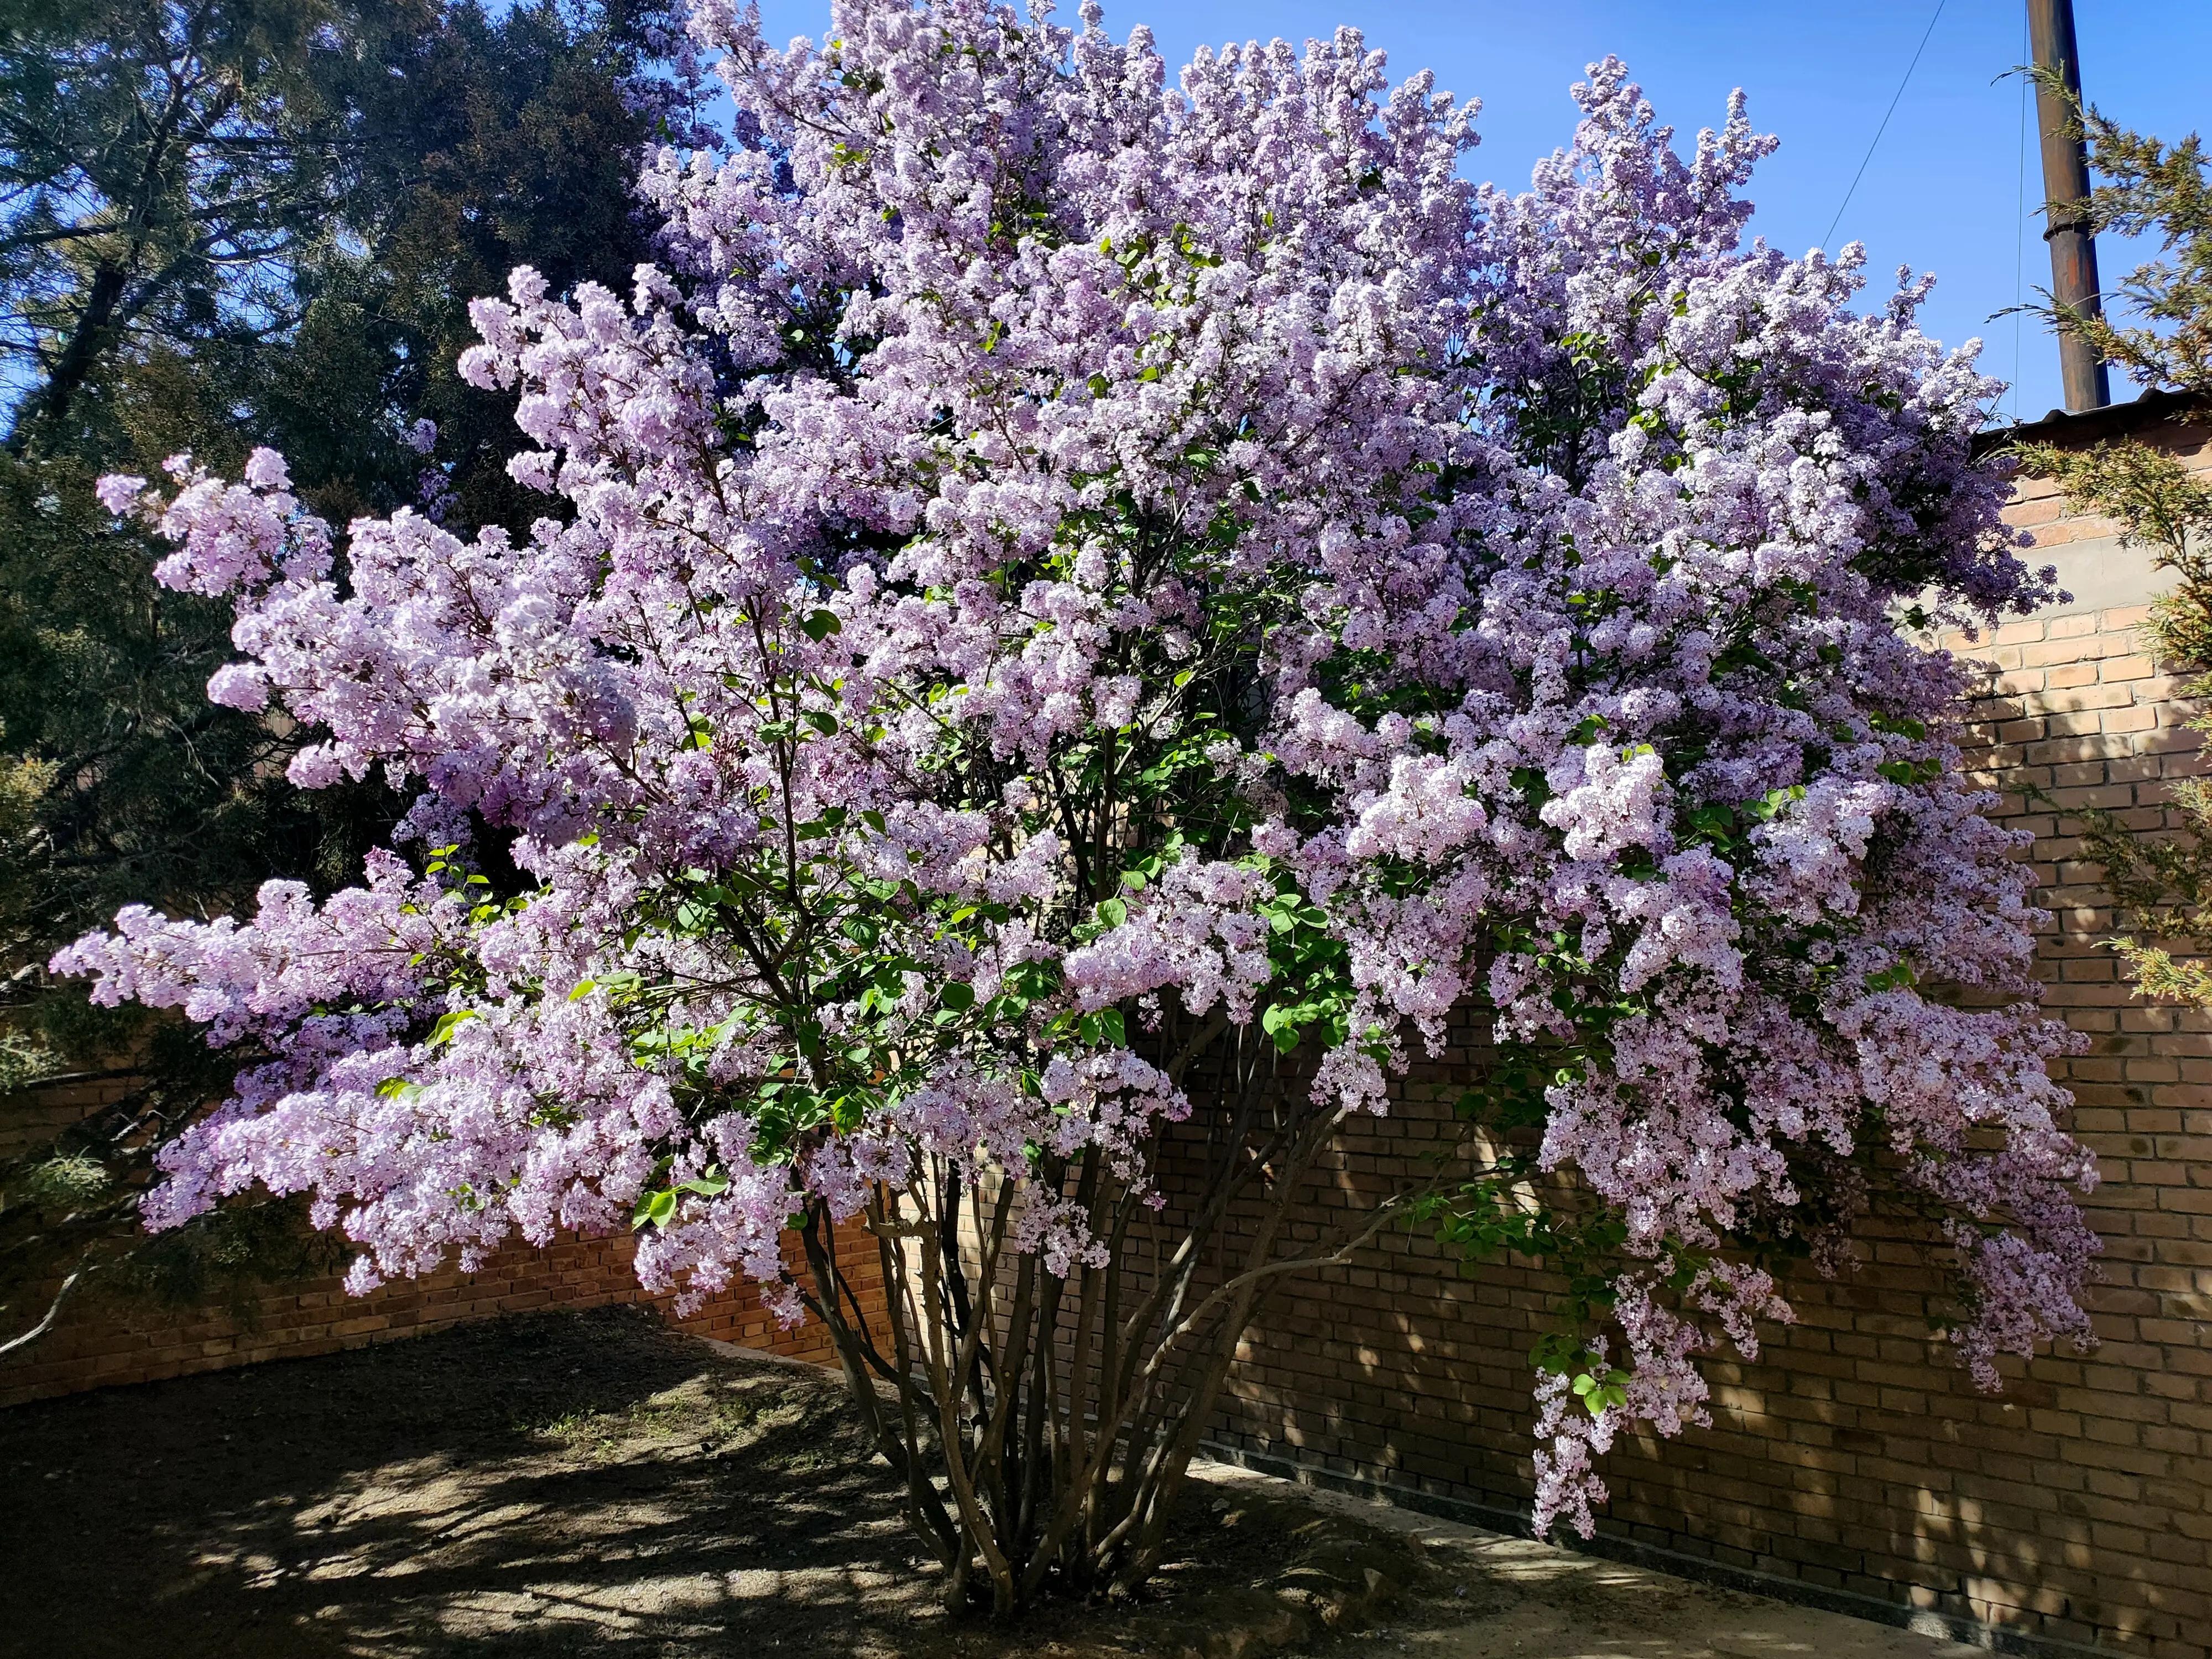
[598, 1485]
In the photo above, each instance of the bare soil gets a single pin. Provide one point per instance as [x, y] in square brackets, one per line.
[599, 1485]
[573, 1484]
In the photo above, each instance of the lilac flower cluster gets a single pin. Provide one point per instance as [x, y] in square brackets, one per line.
[1051, 554]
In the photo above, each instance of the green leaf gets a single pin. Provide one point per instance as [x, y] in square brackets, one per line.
[819, 625]
[1716, 819]
[957, 995]
[1896, 976]
[449, 1023]
[1774, 802]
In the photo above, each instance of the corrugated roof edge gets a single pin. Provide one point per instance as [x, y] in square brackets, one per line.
[2091, 424]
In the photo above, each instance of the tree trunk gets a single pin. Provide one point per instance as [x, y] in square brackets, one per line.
[1043, 1424]
[49, 405]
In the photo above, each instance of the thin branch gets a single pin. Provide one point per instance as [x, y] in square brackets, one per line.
[46, 1324]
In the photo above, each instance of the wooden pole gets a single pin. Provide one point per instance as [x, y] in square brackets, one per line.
[2066, 197]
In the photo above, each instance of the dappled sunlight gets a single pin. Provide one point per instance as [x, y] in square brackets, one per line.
[517, 1488]
[600, 1485]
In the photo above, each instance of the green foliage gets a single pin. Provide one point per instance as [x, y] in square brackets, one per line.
[504, 141]
[165, 164]
[2162, 888]
[64, 1180]
[2148, 188]
[224, 1258]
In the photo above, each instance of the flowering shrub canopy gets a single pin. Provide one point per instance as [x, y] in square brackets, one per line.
[1050, 548]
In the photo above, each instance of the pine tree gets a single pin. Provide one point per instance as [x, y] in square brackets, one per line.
[239, 217]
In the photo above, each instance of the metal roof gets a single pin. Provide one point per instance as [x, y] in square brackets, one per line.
[2088, 425]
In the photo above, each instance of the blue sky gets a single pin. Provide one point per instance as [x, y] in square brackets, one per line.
[1943, 192]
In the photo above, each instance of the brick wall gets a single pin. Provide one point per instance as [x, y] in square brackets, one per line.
[1853, 1460]
[96, 1342]
[33, 1119]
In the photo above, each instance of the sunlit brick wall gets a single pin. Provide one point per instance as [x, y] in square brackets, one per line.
[1853, 1456]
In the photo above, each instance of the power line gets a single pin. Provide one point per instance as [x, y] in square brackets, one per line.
[1884, 127]
[2019, 225]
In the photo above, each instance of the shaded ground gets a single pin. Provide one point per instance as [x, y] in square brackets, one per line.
[573, 1484]
[598, 1484]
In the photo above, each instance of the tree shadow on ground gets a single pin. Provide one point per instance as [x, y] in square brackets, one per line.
[568, 1483]
[572, 1483]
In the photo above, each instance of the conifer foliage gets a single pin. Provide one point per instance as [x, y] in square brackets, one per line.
[2160, 332]
[224, 222]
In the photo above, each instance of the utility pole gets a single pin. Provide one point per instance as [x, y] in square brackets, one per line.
[2066, 197]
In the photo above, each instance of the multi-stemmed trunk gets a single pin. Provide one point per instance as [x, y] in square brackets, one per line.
[1042, 1423]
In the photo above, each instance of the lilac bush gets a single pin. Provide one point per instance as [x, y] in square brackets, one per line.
[1082, 617]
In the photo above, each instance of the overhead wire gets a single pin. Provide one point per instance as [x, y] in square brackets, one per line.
[2020, 227]
[1924, 36]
